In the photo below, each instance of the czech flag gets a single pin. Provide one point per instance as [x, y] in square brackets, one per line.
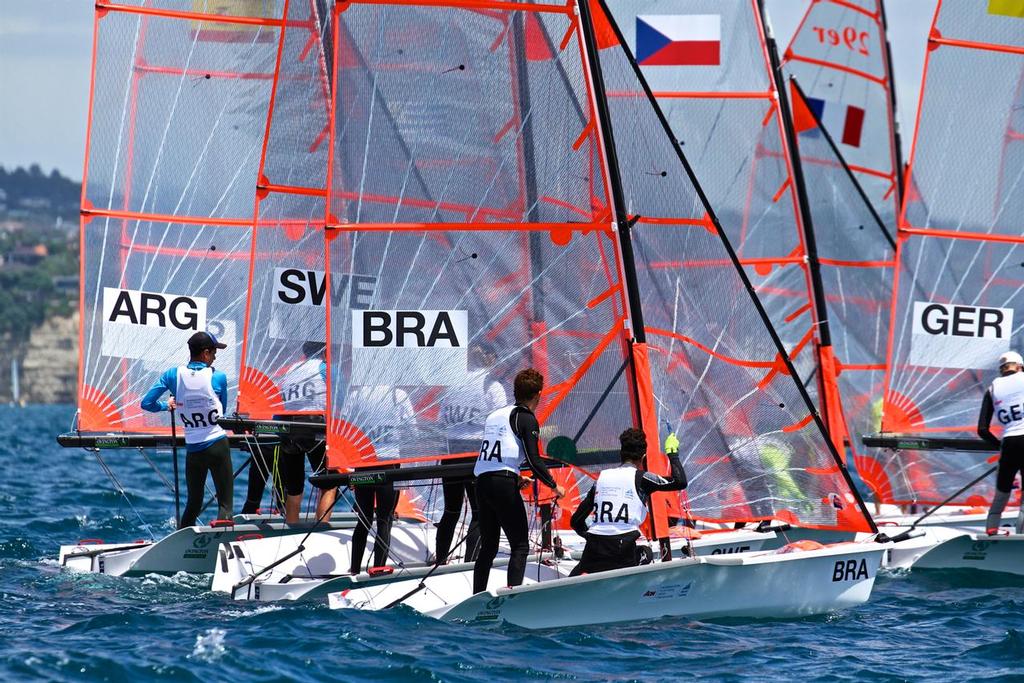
[679, 40]
[837, 116]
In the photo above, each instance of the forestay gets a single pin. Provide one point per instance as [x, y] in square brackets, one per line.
[959, 301]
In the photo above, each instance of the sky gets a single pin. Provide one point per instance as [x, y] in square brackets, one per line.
[45, 57]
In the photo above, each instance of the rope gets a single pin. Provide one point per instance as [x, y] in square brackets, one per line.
[120, 489]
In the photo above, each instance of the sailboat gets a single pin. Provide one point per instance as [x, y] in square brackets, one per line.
[176, 148]
[626, 328]
[958, 255]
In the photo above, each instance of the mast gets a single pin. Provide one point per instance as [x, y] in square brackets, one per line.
[829, 402]
[622, 224]
[623, 227]
[897, 145]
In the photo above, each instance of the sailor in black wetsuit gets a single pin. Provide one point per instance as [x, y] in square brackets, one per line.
[1005, 400]
[617, 505]
[510, 436]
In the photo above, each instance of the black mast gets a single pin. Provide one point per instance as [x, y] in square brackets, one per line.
[741, 273]
[623, 226]
[849, 172]
[897, 144]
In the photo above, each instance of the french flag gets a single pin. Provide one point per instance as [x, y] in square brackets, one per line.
[839, 116]
[679, 39]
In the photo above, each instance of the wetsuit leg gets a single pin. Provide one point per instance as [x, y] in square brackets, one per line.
[511, 514]
[196, 467]
[489, 532]
[387, 499]
[453, 492]
[473, 533]
[1011, 460]
[219, 462]
[293, 472]
[364, 501]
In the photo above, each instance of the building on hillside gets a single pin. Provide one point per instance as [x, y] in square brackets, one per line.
[28, 256]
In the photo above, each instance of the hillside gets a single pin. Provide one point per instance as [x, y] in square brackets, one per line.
[38, 281]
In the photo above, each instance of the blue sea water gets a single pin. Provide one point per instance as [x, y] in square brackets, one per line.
[60, 626]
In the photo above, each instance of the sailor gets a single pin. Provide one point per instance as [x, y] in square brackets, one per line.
[199, 394]
[463, 410]
[1004, 400]
[511, 435]
[386, 417]
[617, 505]
[304, 390]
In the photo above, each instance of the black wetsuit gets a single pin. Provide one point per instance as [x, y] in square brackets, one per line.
[456, 490]
[373, 501]
[1011, 461]
[501, 506]
[291, 466]
[606, 552]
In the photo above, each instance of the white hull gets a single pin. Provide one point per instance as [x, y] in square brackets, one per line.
[242, 569]
[742, 585]
[944, 547]
[192, 550]
[318, 570]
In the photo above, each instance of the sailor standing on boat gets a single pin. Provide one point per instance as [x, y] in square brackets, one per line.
[304, 390]
[617, 504]
[1005, 401]
[511, 436]
[463, 411]
[386, 416]
[199, 394]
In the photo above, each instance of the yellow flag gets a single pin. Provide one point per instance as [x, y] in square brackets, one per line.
[1006, 8]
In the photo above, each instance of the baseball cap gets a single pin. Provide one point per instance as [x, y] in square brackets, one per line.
[1010, 357]
[204, 340]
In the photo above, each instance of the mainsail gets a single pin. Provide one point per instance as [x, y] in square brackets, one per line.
[177, 112]
[287, 292]
[855, 256]
[960, 286]
[465, 181]
[720, 376]
[840, 56]
[708, 66]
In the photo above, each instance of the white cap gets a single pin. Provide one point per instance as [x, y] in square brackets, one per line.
[1010, 357]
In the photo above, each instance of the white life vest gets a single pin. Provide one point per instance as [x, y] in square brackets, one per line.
[501, 450]
[303, 387]
[384, 414]
[618, 507]
[198, 405]
[1008, 403]
[464, 408]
